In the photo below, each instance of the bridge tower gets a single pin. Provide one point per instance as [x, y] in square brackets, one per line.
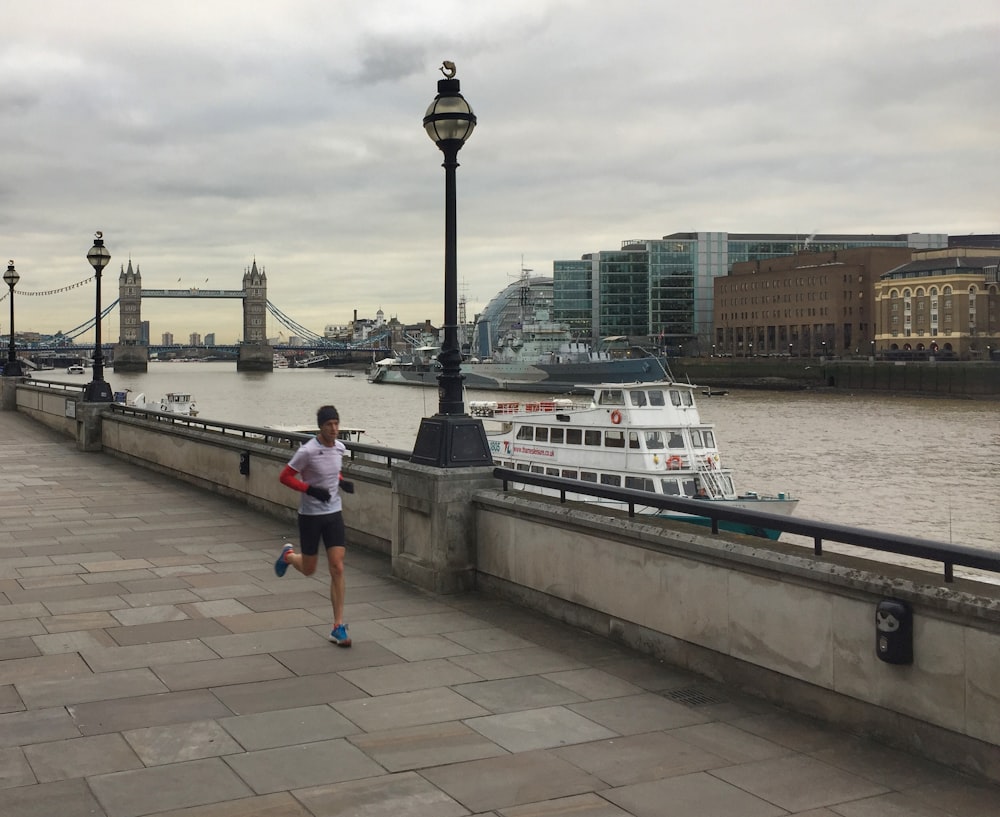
[255, 353]
[130, 355]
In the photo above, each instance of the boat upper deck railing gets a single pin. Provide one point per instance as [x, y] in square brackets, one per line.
[491, 408]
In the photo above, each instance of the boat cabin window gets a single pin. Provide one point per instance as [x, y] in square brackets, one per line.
[687, 398]
[654, 441]
[633, 440]
[709, 439]
[537, 469]
[614, 480]
[592, 436]
[574, 436]
[542, 435]
[588, 476]
[568, 474]
[690, 486]
[639, 483]
[637, 398]
[522, 466]
[675, 397]
[614, 439]
[696, 438]
[551, 472]
[656, 398]
[676, 440]
[670, 487]
[612, 397]
[526, 433]
[556, 435]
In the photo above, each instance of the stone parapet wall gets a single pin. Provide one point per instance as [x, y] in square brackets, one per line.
[768, 617]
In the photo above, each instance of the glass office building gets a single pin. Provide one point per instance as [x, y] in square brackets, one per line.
[661, 291]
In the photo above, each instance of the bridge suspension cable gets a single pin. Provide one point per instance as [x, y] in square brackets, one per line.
[371, 342]
[86, 327]
[294, 326]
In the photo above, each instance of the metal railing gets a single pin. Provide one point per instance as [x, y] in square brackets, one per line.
[258, 434]
[946, 553]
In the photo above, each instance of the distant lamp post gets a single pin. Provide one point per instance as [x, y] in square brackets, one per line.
[451, 438]
[97, 390]
[13, 367]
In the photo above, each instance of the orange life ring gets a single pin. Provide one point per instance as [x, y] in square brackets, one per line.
[616, 416]
[674, 462]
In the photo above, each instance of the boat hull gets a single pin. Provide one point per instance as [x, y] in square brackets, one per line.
[548, 378]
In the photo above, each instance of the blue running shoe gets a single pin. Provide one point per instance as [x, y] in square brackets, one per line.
[281, 565]
[339, 636]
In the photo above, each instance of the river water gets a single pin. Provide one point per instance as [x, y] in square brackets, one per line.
[924, 467]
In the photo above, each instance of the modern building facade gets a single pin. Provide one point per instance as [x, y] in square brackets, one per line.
[944, 303]
[662, 291]
[813, 304]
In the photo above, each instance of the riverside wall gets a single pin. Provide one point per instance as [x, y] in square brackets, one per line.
[961, 379]
[769, 618]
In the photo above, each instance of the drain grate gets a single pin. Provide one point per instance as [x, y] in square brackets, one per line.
[692, 696]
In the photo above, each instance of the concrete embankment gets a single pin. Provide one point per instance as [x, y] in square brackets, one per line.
[935, 378]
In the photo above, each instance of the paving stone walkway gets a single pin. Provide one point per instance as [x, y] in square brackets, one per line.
[152, 664]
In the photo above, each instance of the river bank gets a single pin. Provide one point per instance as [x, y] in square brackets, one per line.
[960, 379]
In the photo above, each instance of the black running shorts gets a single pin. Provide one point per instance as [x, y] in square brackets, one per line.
[327, 527]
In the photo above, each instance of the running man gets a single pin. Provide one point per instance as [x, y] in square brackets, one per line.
[315, 471]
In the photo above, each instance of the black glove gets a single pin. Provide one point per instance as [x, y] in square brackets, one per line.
[347, 486]
[316, 492]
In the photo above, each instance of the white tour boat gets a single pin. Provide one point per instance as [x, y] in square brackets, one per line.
[643, 436]
[76, 368]
[173, 402]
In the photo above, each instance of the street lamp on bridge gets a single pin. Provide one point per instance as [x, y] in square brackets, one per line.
[97, 390]
[451, 438]
[13, 367]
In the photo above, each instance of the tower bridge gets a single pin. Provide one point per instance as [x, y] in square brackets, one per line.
[254, 353]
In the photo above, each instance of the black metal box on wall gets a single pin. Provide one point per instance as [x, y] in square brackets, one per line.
[894, 631]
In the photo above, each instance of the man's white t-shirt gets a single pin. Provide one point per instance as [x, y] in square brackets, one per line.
[319, 465]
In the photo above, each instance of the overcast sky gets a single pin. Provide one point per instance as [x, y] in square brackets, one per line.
[202, 134]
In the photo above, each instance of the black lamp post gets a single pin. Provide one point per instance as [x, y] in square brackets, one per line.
[450, 438]
[97, 390]
[13, 367]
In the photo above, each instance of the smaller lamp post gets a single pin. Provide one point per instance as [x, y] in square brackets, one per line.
[97, 390]
[13, 367]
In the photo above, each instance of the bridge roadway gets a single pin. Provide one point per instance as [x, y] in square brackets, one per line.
[152, 664]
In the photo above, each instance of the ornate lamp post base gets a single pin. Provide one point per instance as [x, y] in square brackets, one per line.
[450, 441]
[98, 391]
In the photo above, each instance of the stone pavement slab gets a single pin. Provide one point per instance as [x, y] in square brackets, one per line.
[152, 665]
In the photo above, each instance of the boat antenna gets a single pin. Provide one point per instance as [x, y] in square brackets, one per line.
[525, 294]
